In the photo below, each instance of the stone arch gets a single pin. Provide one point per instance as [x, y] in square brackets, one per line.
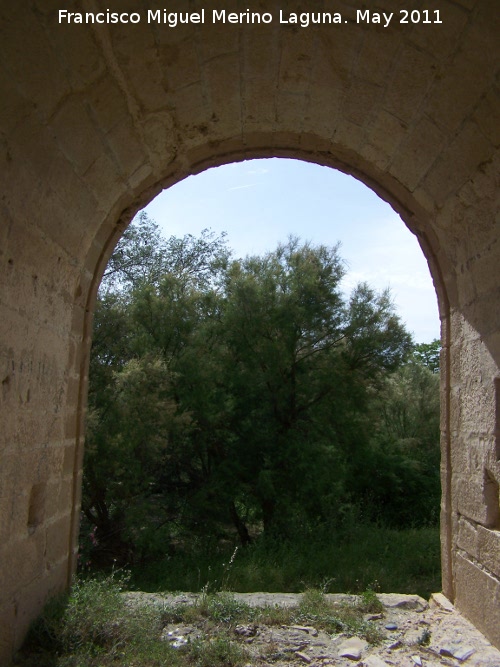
[97, 119]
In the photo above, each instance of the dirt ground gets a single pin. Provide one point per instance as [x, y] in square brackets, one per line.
[416, 633]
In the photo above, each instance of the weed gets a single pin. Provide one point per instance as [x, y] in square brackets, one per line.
[313, 602]
[333, 562]
[218, 652]
[226, 569]
[340, 617]
[93, 626]
[425, 638]
[370, 603]
[276, 615]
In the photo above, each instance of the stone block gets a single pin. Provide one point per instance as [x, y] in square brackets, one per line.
[487, 116]
[224, 96]
[22, 563]
[76, 134]
[218, 41]
[7, 631]
[468, 492]
[69, 458]
[104, 179]
[295, 63]
[377, 56]
[38, 75]
[478, 598]
[83, 65]
[190, 105]
[362, 102]
[489, 549]
[466, 151]
[467, 538]
[256, 110]
[411, 65]
[413, 159]
[179, 70]
[58, 541]
[386, 132]
[262, 53]
[128, 146]
[34, 596]
[430, 39]
[58, 496]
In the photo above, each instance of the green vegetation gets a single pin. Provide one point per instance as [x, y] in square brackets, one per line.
[403, 561]
[249, 402]
[94, 626]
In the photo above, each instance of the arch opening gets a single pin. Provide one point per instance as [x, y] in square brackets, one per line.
[307, 230]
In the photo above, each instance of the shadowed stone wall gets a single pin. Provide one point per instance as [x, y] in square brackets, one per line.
[96, 119]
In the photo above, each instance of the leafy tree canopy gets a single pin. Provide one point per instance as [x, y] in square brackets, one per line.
[250, 392]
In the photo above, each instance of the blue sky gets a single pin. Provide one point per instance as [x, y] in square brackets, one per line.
[261, 202]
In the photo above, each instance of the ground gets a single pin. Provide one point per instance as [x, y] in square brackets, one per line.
[411, 632]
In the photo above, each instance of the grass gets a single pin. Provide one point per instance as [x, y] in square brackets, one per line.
[400, 561]
[94, 627]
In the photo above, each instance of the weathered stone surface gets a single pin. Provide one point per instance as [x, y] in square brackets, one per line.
[396, 600]
[457, 650]
[352, 648]
[374, 661]
[442, 602]
[447, 635]
[478, 594]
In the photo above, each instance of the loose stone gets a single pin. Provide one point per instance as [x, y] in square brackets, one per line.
[246, 630]
[457, 651]
[306, 628]
[352, 648]
[374, 661]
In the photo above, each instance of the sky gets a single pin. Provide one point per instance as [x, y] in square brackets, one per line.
[259, 203]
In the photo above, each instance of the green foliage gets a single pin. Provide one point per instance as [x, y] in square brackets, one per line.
[370, 603]
[224, 611]
[428, 354]
[95, 626]
[345, 617]
[218, 608]
[92, 626]
[245, 398]
[425, 638]
[220, 652]
[399, 479]
[349, 560]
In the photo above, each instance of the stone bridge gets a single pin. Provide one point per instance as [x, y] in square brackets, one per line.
[97, 117]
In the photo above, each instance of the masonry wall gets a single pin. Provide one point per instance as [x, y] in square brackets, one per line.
[95, 120]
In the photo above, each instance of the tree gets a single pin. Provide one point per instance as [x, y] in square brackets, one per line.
[153, 295]
[428, 354]
[299, 366]
[400, 478]
[226, 391]
[139, 257]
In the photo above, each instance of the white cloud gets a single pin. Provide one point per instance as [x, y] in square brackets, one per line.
[258, 171]
[241, 187]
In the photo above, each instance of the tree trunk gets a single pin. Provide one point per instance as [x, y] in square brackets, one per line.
[240, 526]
